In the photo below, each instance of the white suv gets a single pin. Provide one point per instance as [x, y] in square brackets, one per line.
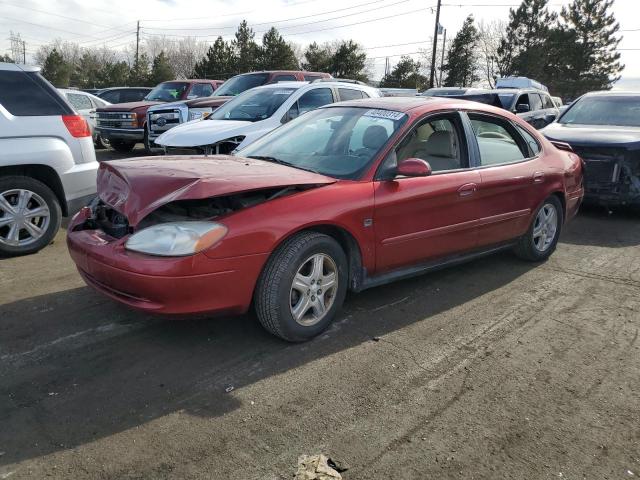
[256, 112]
[47, 161]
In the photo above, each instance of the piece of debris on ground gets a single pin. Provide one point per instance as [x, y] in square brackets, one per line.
[316, 467]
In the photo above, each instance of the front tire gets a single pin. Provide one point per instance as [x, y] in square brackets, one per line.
[302, 286]
[541, 239]
[30, 215]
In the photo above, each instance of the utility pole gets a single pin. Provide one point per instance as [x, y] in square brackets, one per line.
[435, 45]
[444, 44]
[137, 42]
[24, 52]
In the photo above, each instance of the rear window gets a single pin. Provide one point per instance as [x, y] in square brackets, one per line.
[28, 94]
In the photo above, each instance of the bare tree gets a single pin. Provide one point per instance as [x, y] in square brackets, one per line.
[489, 36]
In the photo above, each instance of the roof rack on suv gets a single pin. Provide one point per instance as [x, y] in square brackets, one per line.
[343, 80]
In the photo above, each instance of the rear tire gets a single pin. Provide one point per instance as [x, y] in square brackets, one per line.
[30, 215]
[541, 239]
[302, 286]
[122, 146]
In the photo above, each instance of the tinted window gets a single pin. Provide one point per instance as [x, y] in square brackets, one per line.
[284, 78]
[496, 142]
[535, 101]
[531, 141]
[311, 78]
[435, 140]
[507, 98]
[605, 110]
[349, 94]
[79, 102]
[314, 99]
[241, 83]
[112, 96]
[26, 94]
[201, 90]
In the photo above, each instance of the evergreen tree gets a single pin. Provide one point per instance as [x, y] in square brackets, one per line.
[245, 48]
[139, 75]
[6, 58]
[522, 50]
[87, 71]
[275, 53]
[56, 70]
[461, 68]
[406, 74]
[349, 61]
[161, 71]
[317, 58]
[219, 61]
[113, 74]
[594, 63]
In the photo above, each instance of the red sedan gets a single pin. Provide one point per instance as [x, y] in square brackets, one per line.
[349, 196]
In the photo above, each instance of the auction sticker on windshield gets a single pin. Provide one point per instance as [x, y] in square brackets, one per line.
[391, 115]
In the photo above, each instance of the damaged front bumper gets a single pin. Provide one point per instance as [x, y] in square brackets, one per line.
[612, 176]
[167, 285]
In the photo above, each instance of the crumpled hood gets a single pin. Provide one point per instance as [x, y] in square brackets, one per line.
[593, 136]
[137, 187]
[204, 132]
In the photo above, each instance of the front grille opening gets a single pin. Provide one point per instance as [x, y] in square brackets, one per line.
[105, 218]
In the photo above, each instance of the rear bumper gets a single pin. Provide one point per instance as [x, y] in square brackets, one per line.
[183, 285]
[130, 134]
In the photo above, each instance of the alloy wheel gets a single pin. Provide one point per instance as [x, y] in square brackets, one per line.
[24, 217]
[313, 290]
[545, 227]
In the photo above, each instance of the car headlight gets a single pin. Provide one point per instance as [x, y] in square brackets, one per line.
[176, 239]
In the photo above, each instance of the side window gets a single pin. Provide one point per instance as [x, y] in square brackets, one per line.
[129, 96]
[284, 78]
[200, 90]
[534, 146]
[535, 102]
[25, 94]
[349, 94]
[547, 102]
[79, 102]
[311, 78]
[496, 141]
[438, 141]
[111, 97]
[314, 99]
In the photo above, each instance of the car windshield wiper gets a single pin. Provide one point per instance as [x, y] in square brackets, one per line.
[281, 162]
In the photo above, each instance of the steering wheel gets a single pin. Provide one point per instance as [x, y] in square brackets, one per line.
[498, 135]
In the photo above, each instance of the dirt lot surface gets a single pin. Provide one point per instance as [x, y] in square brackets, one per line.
[495, 369]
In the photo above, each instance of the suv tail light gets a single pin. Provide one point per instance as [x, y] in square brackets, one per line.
[77, 126]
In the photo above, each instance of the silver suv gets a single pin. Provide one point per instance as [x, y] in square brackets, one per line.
[47, 160]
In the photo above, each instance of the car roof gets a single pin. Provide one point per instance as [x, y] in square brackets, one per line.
[124, 88]
[14, 67]
[612, 93]
[313, 85]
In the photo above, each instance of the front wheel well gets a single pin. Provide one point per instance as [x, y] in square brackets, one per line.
[44, 174]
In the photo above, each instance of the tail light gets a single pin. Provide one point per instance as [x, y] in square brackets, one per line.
[77, 126]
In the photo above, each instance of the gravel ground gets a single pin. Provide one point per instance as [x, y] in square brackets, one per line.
[490, 370]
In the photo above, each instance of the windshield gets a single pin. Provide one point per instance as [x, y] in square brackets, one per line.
[236, 85]
[607, 110]
[254, 105]
[168, 92]
[506, 99]
[340, 142]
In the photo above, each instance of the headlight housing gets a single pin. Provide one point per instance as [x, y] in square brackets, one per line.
[176, 239]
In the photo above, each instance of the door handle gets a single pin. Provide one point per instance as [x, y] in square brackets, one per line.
[538, 177]
[467, 189]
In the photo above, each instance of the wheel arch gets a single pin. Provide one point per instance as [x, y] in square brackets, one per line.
[44, 174]
[563, 201]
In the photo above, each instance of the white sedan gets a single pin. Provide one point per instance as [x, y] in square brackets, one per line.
[85, 104]
[256, 112]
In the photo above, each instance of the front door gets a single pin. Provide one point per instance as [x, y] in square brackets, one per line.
[419, 219]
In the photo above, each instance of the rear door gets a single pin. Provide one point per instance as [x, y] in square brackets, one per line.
[512, 174]
[419, 219]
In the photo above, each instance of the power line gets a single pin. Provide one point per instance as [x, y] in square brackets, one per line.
[45, 26]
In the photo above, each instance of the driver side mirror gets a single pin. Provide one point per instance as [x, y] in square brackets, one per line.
[413, 167]
[523, 108]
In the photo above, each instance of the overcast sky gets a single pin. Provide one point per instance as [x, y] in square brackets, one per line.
[407, 25]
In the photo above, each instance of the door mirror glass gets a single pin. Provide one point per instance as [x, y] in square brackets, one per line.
[414, 167]
[523, 108]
